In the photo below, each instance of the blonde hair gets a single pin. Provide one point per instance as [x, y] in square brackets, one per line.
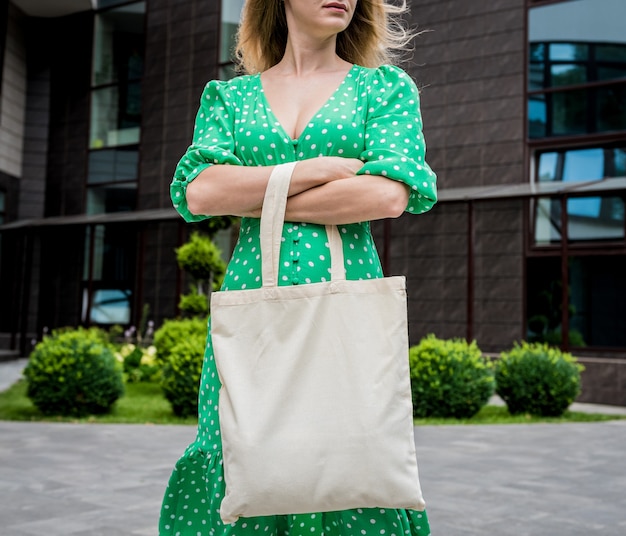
[377, 35]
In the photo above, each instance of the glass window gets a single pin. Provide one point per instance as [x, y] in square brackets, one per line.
[116, 76]
[110, 306]
[119, 45]
[115, 127]
[537, 116]
[568, 51]
[611, 106]
[2, 207]
[4, 20]
[589, 218]
[590, 164]
[113, 165]
[583, 165]
[111, 264]
[568, 74]
[548, 167]
[112, 198]
[577, 44]
[569, 112]
[596, 310]
[231, 15]
[115, 116]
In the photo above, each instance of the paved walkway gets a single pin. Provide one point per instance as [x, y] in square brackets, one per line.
[62, 479]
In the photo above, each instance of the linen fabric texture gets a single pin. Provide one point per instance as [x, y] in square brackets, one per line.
[315, 405]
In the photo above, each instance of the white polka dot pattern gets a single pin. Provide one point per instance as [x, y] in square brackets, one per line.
[373, 115]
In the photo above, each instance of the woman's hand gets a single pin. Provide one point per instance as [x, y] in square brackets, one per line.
[352, 200]
[324, 169]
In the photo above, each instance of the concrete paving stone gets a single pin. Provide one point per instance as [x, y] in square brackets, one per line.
[540, 480]
[108, 480]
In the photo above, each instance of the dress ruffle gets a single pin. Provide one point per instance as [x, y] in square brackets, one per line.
[196, 488]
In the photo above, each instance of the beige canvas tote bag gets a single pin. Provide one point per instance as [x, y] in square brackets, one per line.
[315, 406]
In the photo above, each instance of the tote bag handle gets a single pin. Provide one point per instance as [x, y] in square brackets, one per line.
[272, 221]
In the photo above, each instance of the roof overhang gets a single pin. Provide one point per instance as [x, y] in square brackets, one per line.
[53, 8]
[530, 190]
[140, 216]
[445, 195]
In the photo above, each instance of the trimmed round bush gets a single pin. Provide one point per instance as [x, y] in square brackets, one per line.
[175, 330]
[180, 378]
[73, 372]
[449, 378]
[537, 379]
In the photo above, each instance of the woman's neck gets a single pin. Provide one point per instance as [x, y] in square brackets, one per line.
[302, 58]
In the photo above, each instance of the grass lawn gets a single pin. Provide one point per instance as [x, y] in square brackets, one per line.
[501, 415]
[144, 403]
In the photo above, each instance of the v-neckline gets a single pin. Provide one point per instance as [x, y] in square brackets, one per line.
[277, 121]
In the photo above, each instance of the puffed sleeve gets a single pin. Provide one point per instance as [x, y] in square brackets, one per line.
[212, 143]
[394, 143]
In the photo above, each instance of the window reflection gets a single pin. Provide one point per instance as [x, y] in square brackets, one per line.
[589, 218]
[574, 45]
[596, 310]
[231, 15]
[116, 76]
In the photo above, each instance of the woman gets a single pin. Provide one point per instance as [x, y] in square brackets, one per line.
[319, 90]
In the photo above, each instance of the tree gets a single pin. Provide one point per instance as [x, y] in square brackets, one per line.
[202, 260]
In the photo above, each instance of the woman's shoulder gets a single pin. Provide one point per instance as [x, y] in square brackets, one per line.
[387, 74]
[231, 88]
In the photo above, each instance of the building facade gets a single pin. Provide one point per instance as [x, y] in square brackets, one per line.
[524, 106]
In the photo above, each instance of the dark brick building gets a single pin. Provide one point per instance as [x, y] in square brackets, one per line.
[525, 121]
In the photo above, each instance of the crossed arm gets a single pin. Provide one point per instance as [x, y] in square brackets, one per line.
[324, 190]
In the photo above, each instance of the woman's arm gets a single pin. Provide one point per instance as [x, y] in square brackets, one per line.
[239, 190]
[356, 199]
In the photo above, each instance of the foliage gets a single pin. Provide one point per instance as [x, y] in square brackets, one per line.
[202, 259]
[144, 403]
[175, 330]
[139, 363]
[180, 378]
[449, 378]
[544, 324]
[194, 303]
[217, 223]
[73, 372]
[537, 379]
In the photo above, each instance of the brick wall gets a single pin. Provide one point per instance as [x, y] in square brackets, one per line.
[469, 64]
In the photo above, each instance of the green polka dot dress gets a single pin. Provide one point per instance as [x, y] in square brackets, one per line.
[373, 115]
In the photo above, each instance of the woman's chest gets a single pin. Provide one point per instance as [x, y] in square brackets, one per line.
[336, 128]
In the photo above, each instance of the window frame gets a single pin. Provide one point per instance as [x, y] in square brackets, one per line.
[565, 249]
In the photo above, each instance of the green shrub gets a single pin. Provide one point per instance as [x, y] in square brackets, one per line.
[537, 379]
[194, 304]
[201, 258]
[180, 378]
[73, 372]
[138, 362]
[173, 331]
[449, 378]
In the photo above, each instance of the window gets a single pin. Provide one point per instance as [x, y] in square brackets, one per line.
[113, 160]
[576, 290]
[4, 21]
[109, 271]
[589, 218]
[577, 68]
[2, 207]
[231, 15]
[596, 308]
[115, 109]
